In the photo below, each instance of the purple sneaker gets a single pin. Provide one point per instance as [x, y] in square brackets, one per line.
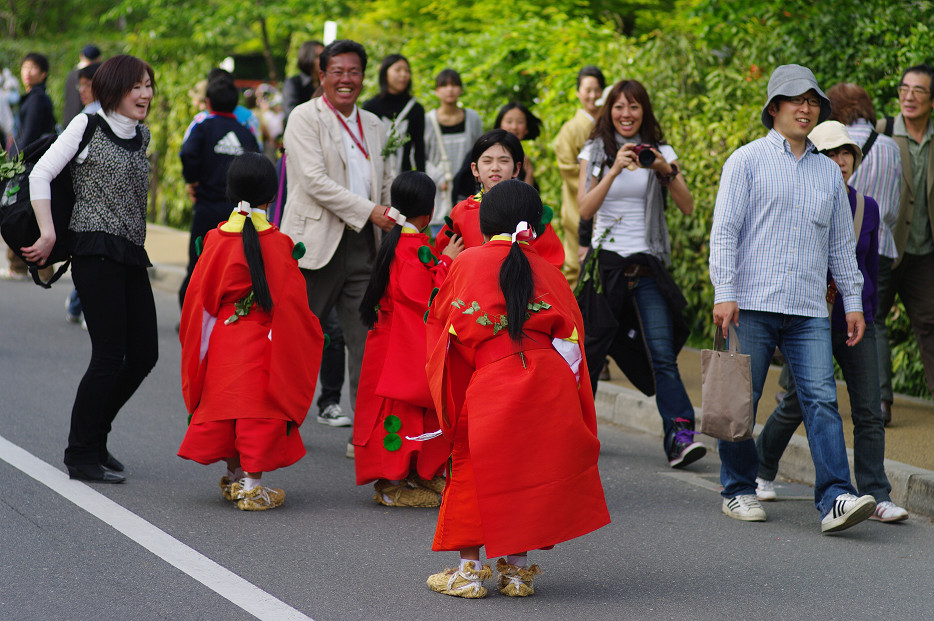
[680, 445]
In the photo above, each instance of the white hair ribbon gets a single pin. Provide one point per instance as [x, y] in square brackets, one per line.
[523, 232]
[394, 214]
[243, 207]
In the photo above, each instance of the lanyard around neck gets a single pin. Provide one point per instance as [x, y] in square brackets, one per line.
[340, 117]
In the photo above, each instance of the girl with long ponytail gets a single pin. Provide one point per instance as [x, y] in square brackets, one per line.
[504, 351]
[250, 345]
[396, 440]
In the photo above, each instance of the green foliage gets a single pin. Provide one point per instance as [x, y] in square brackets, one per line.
[705, 63]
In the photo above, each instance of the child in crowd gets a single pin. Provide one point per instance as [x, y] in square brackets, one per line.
[393, 434]
[450, 132]
[510, 384]
[497, 156]
[250, 346]
[519, 121]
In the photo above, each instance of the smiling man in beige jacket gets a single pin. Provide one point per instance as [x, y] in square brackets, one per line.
[337, 194]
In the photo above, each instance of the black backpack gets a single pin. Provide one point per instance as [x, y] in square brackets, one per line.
[18, 224]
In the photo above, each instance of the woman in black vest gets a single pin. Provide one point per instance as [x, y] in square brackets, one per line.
[109, 263]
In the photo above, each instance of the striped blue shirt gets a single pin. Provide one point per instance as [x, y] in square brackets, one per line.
[879, 176]
[778, 224]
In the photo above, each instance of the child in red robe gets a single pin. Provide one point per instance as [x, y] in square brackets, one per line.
[249, 344]
[497, 156]
[504, 352]
[396, 439]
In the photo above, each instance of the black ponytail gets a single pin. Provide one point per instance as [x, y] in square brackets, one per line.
[506, 205]
[252, 178]
[254, 260]
[413, 194]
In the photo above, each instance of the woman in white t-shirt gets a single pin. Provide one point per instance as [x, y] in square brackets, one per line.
[631, 305]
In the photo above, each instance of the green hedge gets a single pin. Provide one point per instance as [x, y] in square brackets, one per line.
[706, 69]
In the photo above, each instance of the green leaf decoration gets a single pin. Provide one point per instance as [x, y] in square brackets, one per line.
[449, 222]
[189, 419]
[392, 424]
[473, 308]
[431, 298]
[425, 316]
[232, 319]
[457, 303]
[392, 442]
[548, 214]
[327, 340]
[484, 320]
[199, 245]
[425, 255]
[545, 305]
[298, 251]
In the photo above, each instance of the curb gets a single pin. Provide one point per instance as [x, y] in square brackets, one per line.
[912, 488]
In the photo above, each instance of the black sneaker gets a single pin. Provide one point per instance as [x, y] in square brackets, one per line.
[680, 445]
[334, 416]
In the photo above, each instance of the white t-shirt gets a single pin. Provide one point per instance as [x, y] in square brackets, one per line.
[619, 225]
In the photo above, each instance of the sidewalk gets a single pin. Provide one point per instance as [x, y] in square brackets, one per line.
[909, 438]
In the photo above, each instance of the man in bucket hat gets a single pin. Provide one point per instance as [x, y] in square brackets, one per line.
[781, 219]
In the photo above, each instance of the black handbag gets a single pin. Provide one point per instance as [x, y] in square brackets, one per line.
[18, 224]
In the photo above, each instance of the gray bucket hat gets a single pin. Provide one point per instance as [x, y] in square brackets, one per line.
[791, 81]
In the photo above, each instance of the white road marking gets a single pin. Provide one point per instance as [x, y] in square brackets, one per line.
[219, 579]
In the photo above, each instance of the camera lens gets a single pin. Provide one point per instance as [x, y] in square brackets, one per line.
[646, 158]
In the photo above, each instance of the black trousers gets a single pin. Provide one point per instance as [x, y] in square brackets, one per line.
[121, 317]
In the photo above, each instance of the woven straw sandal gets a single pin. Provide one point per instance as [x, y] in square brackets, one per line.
[466, 582]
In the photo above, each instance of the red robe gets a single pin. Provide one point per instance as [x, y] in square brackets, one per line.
[466, 218]
[393, 380]
[264, 365]
[524, 470]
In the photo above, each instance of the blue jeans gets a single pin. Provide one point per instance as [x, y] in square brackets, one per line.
[859, 370]
[74, 303]
[805, 343]
[657, 329]
[670, 396]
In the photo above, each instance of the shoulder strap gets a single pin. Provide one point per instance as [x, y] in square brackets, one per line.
[858, 216]
[445, 161]
[873, 134]
[886, 125]
[405, 111]
[88, 133]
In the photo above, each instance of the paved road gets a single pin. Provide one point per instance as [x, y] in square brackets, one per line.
[331, 554]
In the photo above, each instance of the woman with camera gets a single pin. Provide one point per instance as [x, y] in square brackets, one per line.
[631, 305]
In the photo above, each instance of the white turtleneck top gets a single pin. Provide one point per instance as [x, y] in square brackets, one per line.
[64, 149]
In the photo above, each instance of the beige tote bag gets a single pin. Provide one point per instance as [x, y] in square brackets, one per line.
[726, 391]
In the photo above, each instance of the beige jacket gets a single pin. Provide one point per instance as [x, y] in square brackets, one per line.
[319, 205]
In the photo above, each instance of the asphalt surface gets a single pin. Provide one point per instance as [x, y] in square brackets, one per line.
[331, 553]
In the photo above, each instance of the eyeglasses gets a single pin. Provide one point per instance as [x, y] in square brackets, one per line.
[353, 73]
[814, 102]
[904, 89]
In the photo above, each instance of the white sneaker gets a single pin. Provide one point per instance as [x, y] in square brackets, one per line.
[848, 510]
[888, 511]
[765, 490]
[745, 508]
[334, 416]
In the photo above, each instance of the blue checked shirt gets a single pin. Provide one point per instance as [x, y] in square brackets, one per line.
[879, 176]
[778, 223]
